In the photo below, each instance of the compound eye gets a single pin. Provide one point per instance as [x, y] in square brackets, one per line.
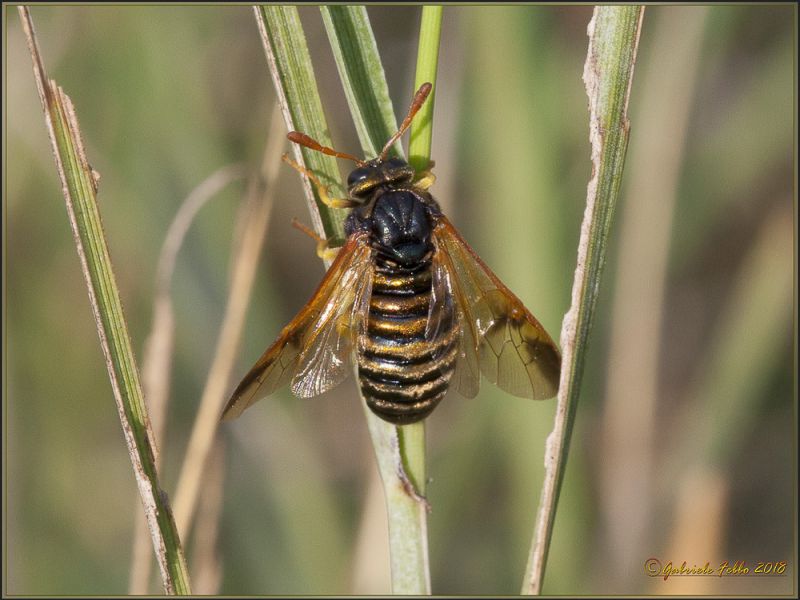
[359, 176]
[396, 163]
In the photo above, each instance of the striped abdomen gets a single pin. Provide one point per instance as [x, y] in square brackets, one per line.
[403, 375]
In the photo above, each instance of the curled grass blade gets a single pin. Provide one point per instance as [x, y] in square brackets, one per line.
[608, 73]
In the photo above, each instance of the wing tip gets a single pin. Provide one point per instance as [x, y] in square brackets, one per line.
[232, 410]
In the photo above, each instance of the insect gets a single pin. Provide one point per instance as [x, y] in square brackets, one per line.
[409, 299]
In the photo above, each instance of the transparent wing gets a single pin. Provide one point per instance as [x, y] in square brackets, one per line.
[313, 351]
[445, 309]
[325, 360]
[513, 349]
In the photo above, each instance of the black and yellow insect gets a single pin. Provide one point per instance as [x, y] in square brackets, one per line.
[406, 296]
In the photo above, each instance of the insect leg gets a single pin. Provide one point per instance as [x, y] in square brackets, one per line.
[425, 179]
[321, 189]
[324, 251]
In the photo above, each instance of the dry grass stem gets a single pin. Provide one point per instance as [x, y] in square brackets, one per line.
[204, 558]
[158, 348]
[256, 216]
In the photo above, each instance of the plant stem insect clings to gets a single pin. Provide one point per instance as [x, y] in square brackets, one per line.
[409, 299]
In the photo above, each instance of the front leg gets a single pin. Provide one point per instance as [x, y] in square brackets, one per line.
[425, 178]
[324, 250]
[322, 190]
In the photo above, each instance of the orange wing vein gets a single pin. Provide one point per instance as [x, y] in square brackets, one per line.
[498, 333]
[314, 350]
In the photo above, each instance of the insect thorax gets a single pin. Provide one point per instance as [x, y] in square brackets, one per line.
[399, 223]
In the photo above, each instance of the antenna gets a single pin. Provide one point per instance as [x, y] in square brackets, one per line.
[304, 140]
[416, 104]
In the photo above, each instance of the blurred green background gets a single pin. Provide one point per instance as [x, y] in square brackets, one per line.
[685, 441]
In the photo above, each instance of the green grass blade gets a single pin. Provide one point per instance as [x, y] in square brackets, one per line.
[362, 75]
[608, 73]
[293, 74]
[430, 31]
[80, 188]
[400, 451]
